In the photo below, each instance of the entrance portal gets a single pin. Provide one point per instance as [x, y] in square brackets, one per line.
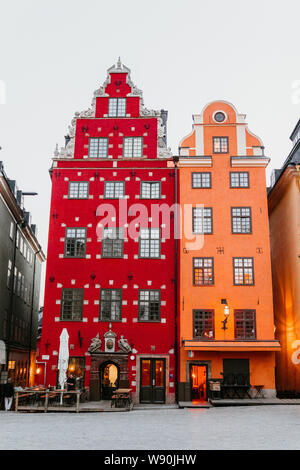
[153, 381]
[109, 380]
[198, 382]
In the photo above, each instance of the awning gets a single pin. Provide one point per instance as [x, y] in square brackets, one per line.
[251, 346]
[2, 352]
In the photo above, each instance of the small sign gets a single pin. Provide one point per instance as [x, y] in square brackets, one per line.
[45, 358]
[215, 386]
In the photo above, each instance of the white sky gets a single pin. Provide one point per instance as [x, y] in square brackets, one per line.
[182, 54]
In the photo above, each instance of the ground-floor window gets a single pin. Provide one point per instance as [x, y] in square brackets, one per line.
[77, 369]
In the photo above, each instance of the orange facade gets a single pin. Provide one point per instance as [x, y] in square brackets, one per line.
[225, 297]
[284, 201]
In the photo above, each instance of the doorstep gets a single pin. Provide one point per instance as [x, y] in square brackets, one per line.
[198, 404]
[254, 402]
[153, 406]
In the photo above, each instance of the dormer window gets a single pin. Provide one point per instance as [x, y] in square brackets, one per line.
[117, 107]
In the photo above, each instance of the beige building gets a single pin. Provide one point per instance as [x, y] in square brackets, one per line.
[284, 213]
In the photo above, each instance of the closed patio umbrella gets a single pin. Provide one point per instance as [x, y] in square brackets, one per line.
[63, 359]
[2, 352]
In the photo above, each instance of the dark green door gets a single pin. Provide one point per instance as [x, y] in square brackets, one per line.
[153, 381]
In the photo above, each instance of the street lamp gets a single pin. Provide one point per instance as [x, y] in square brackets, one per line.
[226, 315]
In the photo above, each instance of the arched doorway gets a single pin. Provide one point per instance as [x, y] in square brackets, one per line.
[109, 379]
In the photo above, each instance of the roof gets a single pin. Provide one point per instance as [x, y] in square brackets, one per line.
[292, 159]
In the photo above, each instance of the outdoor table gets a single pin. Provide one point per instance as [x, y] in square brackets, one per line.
[121, 398]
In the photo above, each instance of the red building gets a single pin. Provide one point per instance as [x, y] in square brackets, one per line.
[110, 278]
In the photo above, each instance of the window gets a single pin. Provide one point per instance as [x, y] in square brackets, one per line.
[117, 107]
[149, 305]
[15, 279]
[203, 271]
[4, 325]
[71, 304]
[201, 180]
[78, 190]
[22, 290]
[77, 368]
[114, 189]
[202, 220]
[9, 267]
[241, 220]
[19, 283]
[132, 147]
[239, 179]
[220, 145]
[112, 242]
[219, 116]
[149, 246]
[98, 147]
[111, 305]
[203, 324]
[11, 230]
[150, 190]
[243, 271]
[245, 324]
[75, 243]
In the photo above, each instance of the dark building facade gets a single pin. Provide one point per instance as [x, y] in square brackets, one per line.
[21, 259]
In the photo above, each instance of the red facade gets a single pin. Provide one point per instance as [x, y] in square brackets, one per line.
[125, 288]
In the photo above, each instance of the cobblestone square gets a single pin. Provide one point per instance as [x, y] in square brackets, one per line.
[262, 427]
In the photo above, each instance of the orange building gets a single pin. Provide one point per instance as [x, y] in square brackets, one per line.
[226, 324]
[284, 203]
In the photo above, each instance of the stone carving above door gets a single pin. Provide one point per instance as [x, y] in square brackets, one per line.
[111, 345]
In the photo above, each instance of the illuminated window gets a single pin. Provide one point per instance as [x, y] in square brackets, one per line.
[203, 271]
[243, 273]
[203, 324]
